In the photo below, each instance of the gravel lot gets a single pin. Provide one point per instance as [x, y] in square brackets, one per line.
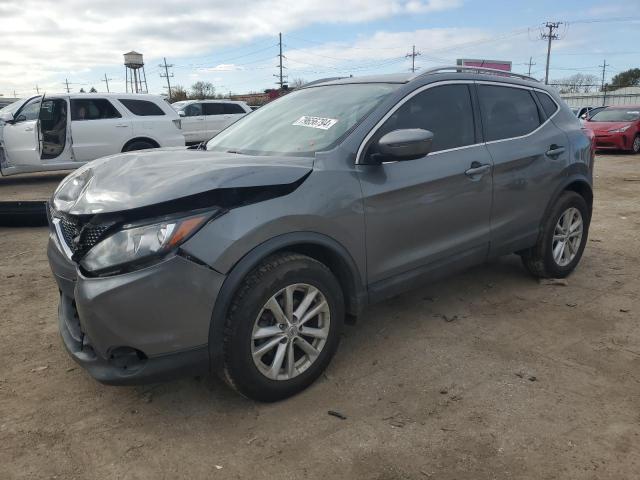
[486, 375]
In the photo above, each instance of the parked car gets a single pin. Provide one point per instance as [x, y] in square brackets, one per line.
[592, 112]
[11, 108]
[244, 257]
[616, 128]
[60, 132]
[580, 112]
[203, 119]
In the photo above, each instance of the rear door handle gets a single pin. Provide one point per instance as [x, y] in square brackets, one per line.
[477, 168]
[554, 151]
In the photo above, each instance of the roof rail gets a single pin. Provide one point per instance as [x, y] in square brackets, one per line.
[494, 71]
[321, 80]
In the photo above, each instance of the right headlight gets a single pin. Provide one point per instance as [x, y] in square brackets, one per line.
[138, 244]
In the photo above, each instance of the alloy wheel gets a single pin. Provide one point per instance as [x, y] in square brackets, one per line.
[567, 236]
[290, 331]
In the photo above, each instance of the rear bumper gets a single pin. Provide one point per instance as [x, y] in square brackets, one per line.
[141, 327]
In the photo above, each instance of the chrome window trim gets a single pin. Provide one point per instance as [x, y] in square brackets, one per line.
[63, 244]
[373, 131]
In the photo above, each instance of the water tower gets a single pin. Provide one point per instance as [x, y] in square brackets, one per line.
[134, 75]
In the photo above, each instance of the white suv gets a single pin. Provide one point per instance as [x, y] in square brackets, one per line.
[204, 119]
[61, 132]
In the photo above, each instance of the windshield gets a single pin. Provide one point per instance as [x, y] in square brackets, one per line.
[13, 107]
[180, 105]
[303, 122]
[616, 115]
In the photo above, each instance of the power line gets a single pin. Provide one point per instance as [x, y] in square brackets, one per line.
[552, 26]
[413, 56]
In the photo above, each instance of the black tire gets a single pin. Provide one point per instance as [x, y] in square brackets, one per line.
[271, 276]
[539, 260]
[138, 145]
[635, 146]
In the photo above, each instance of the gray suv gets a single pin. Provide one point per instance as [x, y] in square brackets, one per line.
[246, 255]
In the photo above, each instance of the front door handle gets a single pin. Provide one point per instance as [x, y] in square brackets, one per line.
[122, 125]
[554, 151]
[477, 168]
[28, 129]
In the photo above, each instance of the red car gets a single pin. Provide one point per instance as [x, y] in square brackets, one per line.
[616, 128]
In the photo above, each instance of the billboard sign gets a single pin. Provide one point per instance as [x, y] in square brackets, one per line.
[496, 64]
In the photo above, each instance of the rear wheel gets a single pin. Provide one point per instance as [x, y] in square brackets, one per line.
[283, 327]
[562, 239]
[138, 145]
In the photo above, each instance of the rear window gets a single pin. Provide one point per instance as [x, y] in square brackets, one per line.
[507, 112]
[141, 108]
[93, 109]
[213, 109]
[232, 108]
[548, 105]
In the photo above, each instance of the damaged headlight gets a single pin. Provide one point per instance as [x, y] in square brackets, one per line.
[140, 243]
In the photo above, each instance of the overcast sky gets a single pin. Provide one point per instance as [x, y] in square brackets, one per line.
[233, 44]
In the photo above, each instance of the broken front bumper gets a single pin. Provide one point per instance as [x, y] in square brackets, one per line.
[140, 327]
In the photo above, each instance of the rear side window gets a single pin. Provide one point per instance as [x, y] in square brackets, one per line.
[92, 109]
[548, 105]
[213, 109]
[446, 111]
[141, 108]
[193, 110]
[507, 112]
[232, 108]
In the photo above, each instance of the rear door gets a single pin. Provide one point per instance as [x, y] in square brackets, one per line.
[215, 118]
[98, 128]
[21, 138]
[232, 113]
[428, 214]
[530, 155]
[194, 125]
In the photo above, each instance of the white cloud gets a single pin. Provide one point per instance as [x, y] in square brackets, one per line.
[223, 67]
[43, 41]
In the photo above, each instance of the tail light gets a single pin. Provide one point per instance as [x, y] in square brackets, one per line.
[178, 123]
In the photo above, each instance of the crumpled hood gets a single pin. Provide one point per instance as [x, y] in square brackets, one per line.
[144, 178]
[605, 126]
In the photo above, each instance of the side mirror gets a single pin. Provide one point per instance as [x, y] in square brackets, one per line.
[584, 116]
[6, 117]
[181, 113]
[406, 144]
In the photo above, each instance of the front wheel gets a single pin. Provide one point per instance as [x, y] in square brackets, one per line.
[635, 146]
[283, 327]
[562, 240]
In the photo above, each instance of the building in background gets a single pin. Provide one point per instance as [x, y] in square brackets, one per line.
[496, 64]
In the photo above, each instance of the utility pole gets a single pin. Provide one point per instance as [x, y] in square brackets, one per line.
[166, 75]
[106, 80]
[66, 82]
[604, 90]
[37, 89]
[280, 76]
[413, 56]
[552, 26]
[530, 65]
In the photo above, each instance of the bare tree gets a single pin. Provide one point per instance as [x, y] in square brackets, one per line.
[201, 90]
[297, 83]
[178, 93]
[577, 83]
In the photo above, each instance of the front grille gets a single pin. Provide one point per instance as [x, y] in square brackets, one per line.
[80, 236]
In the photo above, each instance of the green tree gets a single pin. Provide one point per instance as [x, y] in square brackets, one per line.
[628, 78]
[93, 90]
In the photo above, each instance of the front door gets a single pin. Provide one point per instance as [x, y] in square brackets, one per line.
[21, 138]
[194, 125]
[426, 216]
[216, 120]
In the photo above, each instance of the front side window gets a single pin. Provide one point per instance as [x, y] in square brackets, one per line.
[303, 122]
[193, 110]
[30, 111]
[141, 108]
[93, 109]
[446, 111]
[507, 112]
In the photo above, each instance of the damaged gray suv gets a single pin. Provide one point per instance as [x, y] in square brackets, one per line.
[245, 256]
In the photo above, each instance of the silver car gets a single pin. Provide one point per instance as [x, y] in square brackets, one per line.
[246, 257]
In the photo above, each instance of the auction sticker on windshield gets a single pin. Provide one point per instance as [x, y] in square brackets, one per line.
[316, 122]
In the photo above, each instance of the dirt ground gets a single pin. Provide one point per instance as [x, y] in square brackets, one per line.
[486, 375]
[37, 186]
